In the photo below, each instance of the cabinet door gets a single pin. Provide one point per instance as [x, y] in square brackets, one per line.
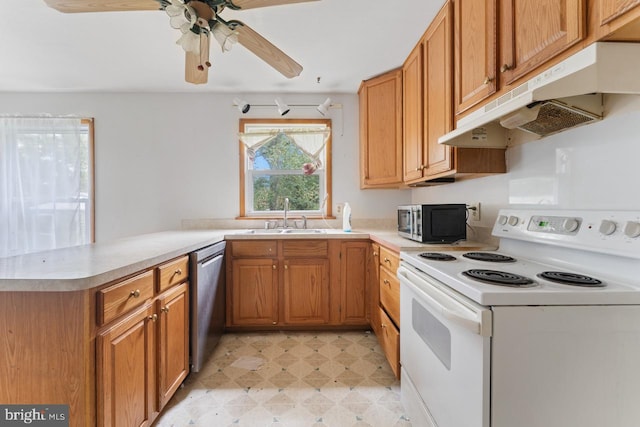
[534, 31]
[475, 52]
[381, 131]
[306, 291]
[173, 341]
[615, 20]
[354, 306]
[438, 110]
[373, 280]
[412, 86]
[126, 371]
[254, 292]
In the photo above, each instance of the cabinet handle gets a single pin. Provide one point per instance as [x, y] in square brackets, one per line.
[386, 282]
[274, 323]
[286, 267]
[153, 317]
[135, 293]
[506, 67]
[420, 168]
[382, 325]
[178, 272]
[273, 266]
[487, 80]
[165, 309]
[375, 253]
[387, 260]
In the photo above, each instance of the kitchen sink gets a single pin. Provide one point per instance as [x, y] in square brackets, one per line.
[303, 231]
[287, 231]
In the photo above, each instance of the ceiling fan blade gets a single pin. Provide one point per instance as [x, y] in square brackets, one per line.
[73, 6]
[266, 51]
[196, 70]
[252, 4]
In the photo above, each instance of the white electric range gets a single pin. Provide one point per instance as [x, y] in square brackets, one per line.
[544, 331]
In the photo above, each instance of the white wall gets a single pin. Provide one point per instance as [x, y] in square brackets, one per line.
[165, 157]
[591, 167]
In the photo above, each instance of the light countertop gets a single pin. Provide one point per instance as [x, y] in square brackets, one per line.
[88, 266]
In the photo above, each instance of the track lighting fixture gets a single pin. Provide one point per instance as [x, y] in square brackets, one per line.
[243, 106]
[324, 107]
[282, 107]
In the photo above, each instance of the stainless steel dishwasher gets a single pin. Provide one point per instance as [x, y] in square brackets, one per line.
[207, 302]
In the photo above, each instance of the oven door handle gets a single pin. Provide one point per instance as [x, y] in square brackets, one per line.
[476, 320]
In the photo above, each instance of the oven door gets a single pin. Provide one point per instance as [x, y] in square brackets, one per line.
[444, 353]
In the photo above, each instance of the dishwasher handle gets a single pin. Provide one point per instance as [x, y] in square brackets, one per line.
[474, 319]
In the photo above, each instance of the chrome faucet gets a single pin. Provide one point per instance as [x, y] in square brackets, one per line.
[286, 209]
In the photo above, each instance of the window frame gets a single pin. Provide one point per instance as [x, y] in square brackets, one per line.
[244, 192]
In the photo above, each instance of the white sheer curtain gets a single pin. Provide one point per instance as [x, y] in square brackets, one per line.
[45, 184]
[311, 140]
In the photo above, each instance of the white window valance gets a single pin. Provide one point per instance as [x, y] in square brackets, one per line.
[311, 140]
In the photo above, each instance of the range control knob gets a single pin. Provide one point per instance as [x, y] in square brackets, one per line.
[514, 220]
[607, 227]
[502, 219]
[632, 229]
[570, 224]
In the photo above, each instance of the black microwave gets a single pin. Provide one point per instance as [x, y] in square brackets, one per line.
[442, 223]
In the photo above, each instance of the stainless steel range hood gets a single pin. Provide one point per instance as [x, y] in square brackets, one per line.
[567, 95]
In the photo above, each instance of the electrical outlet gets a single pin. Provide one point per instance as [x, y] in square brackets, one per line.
[474, 211]
[339, 208]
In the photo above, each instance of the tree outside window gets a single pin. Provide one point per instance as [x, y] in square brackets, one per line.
[282, 159]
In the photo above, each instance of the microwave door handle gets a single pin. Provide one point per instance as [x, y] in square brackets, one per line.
[477, 322]
[414, 223]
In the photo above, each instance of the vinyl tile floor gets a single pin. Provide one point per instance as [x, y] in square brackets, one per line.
[290, 379]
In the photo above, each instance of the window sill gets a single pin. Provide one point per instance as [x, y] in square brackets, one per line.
[265, 218]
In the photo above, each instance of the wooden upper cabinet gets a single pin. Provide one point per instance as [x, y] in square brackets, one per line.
[614, 20]
[475, 52]
[428, 107]
[381, 131]
[438, 92]
[534, 31]
[412, 105]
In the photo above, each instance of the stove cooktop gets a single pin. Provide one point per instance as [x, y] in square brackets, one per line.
[515, 280]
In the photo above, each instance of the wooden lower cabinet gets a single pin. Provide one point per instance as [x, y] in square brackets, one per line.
[173, 341]
[254, 292]
[353, 278]
[386, 303]
[126, 371]
[306, 291]
[389, 339]
[297, 283]
[142, 358]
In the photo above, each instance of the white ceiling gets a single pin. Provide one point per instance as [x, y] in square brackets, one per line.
[340, 41]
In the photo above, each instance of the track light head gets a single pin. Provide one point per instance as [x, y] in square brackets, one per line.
[324, 107]
[282, 107]
[243, 106]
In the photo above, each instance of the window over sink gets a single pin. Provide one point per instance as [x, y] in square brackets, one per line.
[285, 159]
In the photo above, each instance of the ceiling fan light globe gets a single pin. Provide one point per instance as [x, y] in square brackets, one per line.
[174, 10]
[225, 37]
[190, 42]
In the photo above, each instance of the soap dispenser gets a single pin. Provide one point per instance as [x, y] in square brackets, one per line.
[346, 218]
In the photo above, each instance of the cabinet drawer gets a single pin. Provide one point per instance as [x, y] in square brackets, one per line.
[389, 259]
[172, 273]
[390, 342]
[256, 248]
[305, 248]
[118, 299]
[390, 294]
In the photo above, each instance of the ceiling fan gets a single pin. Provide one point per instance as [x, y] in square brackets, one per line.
[198, 20]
